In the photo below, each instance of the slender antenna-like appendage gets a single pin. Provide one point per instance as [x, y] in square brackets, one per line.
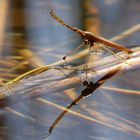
[52, 13]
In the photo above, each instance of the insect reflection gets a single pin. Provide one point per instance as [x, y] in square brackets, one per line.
[90, 88]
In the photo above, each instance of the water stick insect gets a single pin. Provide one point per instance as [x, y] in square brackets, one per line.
[90, 38]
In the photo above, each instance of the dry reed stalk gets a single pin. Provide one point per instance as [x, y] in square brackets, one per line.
[3, 13]
[55, 79]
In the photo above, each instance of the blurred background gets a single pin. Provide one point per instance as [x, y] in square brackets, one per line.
[30, 38]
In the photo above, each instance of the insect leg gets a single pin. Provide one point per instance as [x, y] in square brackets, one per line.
[123, 59]
[71, 52]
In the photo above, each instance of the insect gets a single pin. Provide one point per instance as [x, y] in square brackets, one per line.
[90, 38]
[90, 88]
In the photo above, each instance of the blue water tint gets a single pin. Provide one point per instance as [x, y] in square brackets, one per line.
[41, 27]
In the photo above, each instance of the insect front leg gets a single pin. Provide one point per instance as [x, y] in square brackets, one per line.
[71, 52]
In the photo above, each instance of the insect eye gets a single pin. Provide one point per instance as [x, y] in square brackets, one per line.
[85, 83]
[86, 42]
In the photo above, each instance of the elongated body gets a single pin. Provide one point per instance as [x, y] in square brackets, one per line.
[93, 38]
[90, 37]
